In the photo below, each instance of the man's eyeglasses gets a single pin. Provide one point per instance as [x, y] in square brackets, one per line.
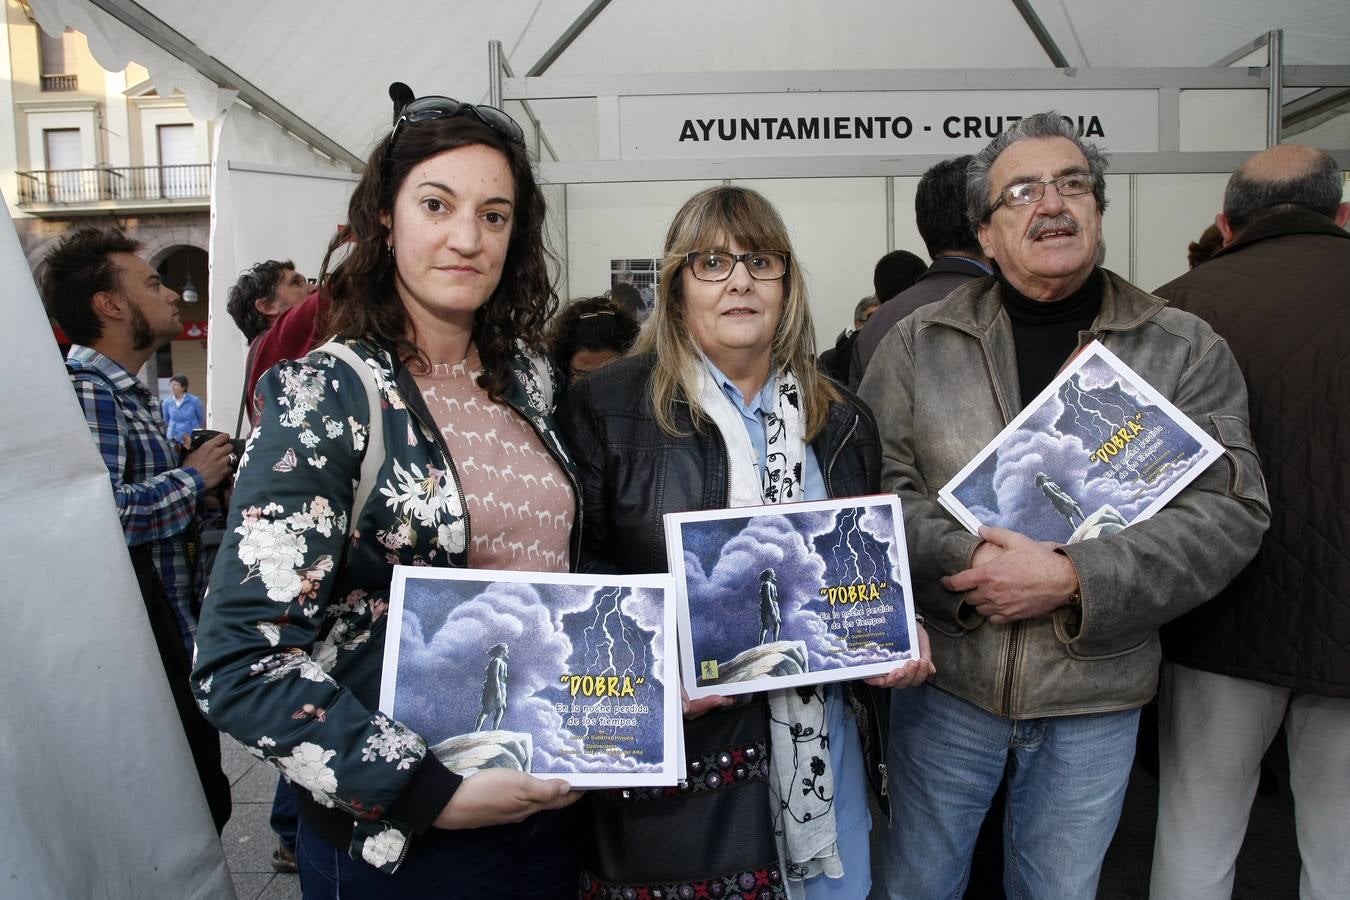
[716, 265]
[1028, 192]
[427, 109]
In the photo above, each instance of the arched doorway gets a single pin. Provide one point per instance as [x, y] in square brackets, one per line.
[184, 268]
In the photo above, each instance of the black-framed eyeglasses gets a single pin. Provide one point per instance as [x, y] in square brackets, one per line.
[716, 265]
[1028, 192]
[427, 109]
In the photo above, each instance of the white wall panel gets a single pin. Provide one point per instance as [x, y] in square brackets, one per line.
[838, 228]
[616, 221]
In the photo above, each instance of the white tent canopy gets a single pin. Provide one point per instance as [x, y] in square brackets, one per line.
[328, 64]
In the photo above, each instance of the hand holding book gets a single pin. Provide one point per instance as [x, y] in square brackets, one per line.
[911, 673]
[1013, 577]
[500, 796]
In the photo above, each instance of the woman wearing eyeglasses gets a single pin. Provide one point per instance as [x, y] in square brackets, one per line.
[442, 294]
[722, 405]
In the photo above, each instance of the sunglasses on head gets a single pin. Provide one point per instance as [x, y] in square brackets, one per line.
[427, 109]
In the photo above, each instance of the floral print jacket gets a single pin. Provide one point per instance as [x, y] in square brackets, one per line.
[291, 640]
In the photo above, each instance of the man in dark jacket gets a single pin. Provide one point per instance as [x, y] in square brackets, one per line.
[1274, 647]
[940, 212]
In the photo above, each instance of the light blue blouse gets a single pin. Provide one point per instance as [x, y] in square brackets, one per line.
[853, 821]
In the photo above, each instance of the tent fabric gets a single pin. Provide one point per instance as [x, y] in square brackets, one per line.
[99, 794]
[331, 63]
[284, 204]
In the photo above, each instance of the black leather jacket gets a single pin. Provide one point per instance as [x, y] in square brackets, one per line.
[632, 473]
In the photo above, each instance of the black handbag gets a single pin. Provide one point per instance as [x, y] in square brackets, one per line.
[716, 824]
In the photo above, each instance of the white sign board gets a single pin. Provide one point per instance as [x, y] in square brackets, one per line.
[870, 123]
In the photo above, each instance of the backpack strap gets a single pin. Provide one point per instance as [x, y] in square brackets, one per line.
[246, 401]
[374, 458]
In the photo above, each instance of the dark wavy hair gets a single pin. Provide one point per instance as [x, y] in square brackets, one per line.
[365, 303]
[592, 323]
[75, 270]
[257, 282]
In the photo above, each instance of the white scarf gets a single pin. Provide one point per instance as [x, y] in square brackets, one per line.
[801, 784]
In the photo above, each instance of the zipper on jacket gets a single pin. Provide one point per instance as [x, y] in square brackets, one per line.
[439, 439]
[1014, 647]
[454, 476]
[403, 854]
[726, 467]
[829, 467]
[1015, 630]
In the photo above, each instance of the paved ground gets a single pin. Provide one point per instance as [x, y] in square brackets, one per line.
[248, 840]
[1267, 869]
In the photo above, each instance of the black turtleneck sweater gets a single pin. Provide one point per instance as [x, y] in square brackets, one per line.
[1046, 332]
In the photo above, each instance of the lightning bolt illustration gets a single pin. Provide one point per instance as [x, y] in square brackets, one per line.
[1103, 413]
[849, 557]
[614, 645]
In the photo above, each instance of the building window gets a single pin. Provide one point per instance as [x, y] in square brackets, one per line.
[177, 154]
[63, 164]
[58, 61]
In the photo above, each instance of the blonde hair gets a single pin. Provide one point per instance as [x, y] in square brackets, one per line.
[709, 220]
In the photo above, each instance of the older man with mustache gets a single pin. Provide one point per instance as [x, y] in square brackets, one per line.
[1044, 653]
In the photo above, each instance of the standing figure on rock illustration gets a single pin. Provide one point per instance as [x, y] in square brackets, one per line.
[770, 617]
[1067, 506]
[494, 688]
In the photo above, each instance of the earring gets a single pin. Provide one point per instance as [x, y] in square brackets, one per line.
[390, 248]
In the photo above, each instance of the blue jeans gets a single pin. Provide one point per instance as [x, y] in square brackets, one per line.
[285, 814]
[1066, 783]
[532, 860]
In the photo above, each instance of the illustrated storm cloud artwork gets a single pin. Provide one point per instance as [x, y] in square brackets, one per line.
[808, 552]
[449, 626]
[1061, 465]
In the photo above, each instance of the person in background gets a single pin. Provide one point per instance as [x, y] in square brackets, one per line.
[722, 405]
[183, 412]
[263, 292]
[940, 213]
[443, 293]
[1210, 243]
[837, 359]
[117, 313]
[1274, 647]
[590, 333]
[895, 272]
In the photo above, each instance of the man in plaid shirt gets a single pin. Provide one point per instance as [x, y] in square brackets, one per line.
[117, 313]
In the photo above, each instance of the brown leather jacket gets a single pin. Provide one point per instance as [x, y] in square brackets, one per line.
[943, 383]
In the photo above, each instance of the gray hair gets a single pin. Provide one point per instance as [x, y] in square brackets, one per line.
[864, 305]
[980, 203]
[1318, 190]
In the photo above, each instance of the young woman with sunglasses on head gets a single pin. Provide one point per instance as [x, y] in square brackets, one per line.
[443, 294]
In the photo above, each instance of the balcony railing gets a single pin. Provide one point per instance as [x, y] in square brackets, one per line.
[134, 183]
[60, 82]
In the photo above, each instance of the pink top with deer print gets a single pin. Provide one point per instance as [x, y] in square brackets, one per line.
[519, 501]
